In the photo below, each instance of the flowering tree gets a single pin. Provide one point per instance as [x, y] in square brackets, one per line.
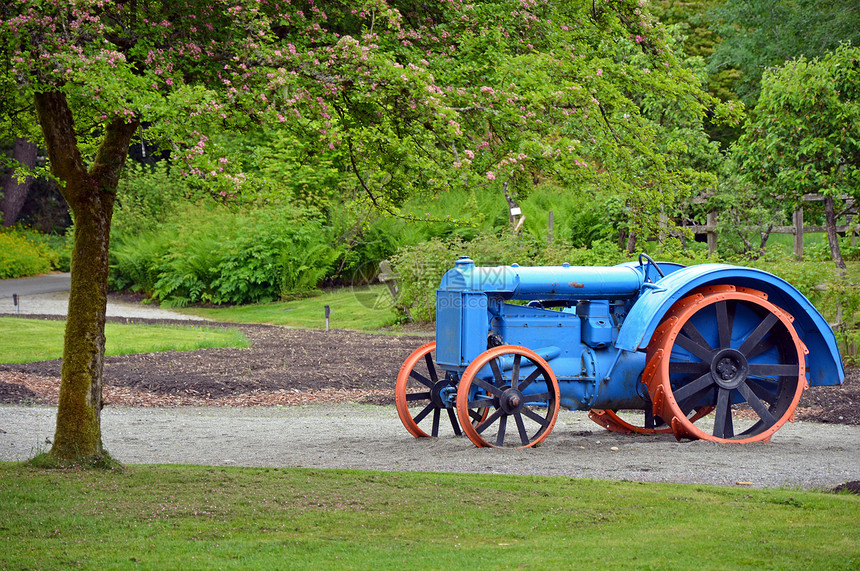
[403, 96]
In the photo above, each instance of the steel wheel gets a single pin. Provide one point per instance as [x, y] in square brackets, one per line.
[511, 381]
[421, 396]
[726, 347]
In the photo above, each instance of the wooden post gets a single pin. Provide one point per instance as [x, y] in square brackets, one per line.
[798, 234]
[549, 235]
[712, 233]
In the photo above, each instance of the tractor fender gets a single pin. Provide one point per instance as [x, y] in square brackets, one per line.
[823, 362]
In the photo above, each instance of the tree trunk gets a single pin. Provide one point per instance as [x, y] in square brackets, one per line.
[15, 192]
[90, 194]
[832, 238]
[631, 242]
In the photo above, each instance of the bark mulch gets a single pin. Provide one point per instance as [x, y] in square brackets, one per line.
[291, 367]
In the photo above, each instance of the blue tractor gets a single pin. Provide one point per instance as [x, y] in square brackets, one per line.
[677, 344]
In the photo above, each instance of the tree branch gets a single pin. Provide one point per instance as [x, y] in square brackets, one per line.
[58, 130]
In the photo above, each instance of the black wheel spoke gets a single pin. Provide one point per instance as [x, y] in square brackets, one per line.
[544, 422]
[773, 370]
[476, 415]
[537, 397]
[437, 412]
[515, 372]
[530, 379]
[693, 387]
[481, 402]
[417, 396]
[497, 373]
[490, 388]
[524, 437]
[688, 368]
[702, 351]
[762, 347]
[421, 379]
[503, 427]
[490, 420]
[452, 416]
[723, 326]
[420, 416]
[696, 336]
[431, 368]
[723, 422]
[758, 334]
[761, 410]
[764, 393]
[692, 403]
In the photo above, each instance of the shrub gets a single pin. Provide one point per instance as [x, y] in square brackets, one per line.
[211, 254]
[20, 256]
[148, 195]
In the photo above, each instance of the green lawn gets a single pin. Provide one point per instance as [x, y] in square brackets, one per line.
[360, 308]
[26, 340]
[181, 517]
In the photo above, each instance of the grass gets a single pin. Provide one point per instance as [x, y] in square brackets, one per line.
[27, 340]
[189, 517]
[360, 308]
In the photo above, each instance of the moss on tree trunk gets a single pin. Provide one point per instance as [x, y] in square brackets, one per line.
[90, 193]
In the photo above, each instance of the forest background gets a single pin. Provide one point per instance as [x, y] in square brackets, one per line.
[625, 124]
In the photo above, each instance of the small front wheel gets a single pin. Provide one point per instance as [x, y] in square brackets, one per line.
[516, 384]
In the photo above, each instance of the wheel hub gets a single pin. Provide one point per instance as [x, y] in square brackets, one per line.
[729, 368]
[444, 393]
[511, 400]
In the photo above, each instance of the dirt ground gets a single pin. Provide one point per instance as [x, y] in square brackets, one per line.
[290, 367]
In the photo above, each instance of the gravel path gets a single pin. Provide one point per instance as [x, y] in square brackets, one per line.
[803, 454]
[57, 303]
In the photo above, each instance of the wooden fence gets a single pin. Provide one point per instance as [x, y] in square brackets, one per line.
[798, 228]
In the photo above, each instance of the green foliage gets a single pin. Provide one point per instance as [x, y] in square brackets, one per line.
[148, 195]
[23, 255]
[580, 215]
[745, 214]
[804, 133]
[760, 34]
[419, 269]
[211, 254]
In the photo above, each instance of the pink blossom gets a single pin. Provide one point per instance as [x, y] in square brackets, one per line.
[490, 175]
[599, 71]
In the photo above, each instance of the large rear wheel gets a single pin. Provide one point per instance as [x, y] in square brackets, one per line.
[730, 348]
